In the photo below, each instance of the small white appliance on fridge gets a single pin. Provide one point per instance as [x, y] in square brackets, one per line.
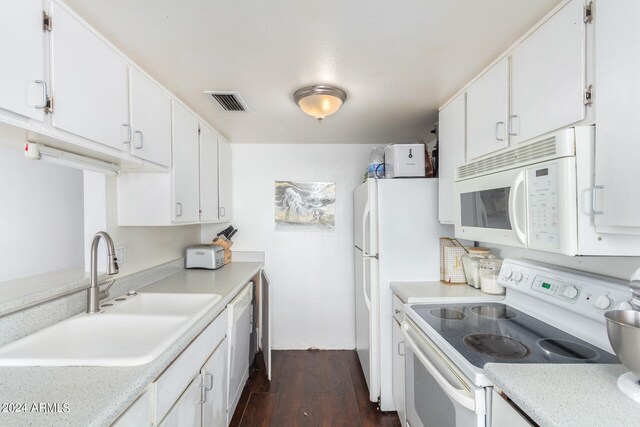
[396, 239]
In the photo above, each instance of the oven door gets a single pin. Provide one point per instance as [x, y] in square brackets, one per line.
[492, 208]
[436, 392]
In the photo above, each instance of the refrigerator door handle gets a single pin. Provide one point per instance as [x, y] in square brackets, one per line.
[365, 214]
[367, 300]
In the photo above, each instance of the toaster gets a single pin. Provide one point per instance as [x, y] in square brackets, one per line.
[204, 256]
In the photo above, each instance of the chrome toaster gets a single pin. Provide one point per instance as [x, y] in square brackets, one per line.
[204, 256]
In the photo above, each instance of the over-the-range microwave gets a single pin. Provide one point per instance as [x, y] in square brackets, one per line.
[537, 195]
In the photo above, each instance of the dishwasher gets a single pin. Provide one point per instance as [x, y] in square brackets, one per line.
[239, 335]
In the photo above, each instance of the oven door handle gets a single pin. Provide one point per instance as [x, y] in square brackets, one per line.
[453, 392]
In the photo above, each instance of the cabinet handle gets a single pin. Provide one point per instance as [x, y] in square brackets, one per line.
[127, 140]
[497, 131]
[512, 132]
[208, 375]
[223, 212]
[179, 209]
[593, 199]
[397, 311]
[141, 140]
[401, 344]
[43, 84]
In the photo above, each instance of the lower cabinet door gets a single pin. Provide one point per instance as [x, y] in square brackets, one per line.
[214, 377]
[187, 411]
[137, 414]
[397, 361]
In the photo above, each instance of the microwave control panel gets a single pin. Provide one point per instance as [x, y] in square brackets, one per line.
[543, 202]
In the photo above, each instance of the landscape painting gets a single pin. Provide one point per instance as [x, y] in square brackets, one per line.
[305, 205]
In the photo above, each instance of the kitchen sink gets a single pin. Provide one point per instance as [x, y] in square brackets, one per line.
[128, 331]
[163, 304]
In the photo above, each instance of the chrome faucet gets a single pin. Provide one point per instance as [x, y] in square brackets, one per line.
[93, 293]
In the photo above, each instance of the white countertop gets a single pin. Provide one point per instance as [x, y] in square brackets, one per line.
[567, 395]
[96, 396]
[425, 292]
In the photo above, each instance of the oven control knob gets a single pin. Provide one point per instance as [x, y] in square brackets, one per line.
[602, 302]
[570, 292]
[624, 305]
[507, 273]
[517, 276]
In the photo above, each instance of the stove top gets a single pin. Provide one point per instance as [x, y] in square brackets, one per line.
[497, 333]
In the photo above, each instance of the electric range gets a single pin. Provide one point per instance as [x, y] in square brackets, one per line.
[549, 315]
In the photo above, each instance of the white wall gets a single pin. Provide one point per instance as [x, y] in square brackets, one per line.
[41, 221]
[312, 273]
[618, 267]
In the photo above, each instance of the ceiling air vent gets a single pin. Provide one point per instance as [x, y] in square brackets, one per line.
[229, 101]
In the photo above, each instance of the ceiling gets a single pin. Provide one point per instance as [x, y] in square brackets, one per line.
[398, 60]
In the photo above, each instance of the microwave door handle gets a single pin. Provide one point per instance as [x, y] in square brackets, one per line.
[459, 395]
[515, 201]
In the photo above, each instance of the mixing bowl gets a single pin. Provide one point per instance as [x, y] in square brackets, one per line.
[623, 328]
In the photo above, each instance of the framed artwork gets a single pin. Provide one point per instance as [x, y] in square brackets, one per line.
[305, 205]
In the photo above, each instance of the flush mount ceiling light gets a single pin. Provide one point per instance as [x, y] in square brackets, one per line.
[320, 101]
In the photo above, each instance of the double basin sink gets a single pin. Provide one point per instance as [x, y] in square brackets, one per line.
[129, 331]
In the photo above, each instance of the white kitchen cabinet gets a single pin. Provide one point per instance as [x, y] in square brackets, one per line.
[225, 183]
[89, 82]
[503, 414]
[488, 111]
[188, 410]
[185, 167]
[617, 194]
[214, 378]
[398, 366]
[194, 189]
[22, 83]
[149, 133]
[451, 153]
[548, 72]
[137, 414]
[208, 174]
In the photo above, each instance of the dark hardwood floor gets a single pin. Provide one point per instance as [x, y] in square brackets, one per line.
[309, 388]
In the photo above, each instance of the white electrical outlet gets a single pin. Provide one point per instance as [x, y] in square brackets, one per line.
[121, 253]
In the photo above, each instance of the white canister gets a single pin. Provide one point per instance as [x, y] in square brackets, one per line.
[489, 271]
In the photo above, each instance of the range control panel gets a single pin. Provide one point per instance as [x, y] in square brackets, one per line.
[581, 292]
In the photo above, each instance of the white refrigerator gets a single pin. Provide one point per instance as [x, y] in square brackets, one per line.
[396, 239]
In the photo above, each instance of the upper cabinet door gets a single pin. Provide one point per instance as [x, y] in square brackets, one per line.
[185, 166]
[617, 92]
[151, 120]
[22, 86]
[548, 76]
[451, 153]
[90, 82]
[224, 176]
[208, 174]
[487, 111]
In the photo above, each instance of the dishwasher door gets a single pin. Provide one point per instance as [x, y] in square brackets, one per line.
[239, 334]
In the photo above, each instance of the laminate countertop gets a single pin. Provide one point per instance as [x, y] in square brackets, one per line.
[97, 396]
[427, 292]
[567, 395]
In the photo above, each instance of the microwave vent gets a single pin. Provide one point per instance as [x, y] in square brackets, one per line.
[539, 151]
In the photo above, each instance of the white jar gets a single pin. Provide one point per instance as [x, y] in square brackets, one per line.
[471, 264]
[489, 271]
